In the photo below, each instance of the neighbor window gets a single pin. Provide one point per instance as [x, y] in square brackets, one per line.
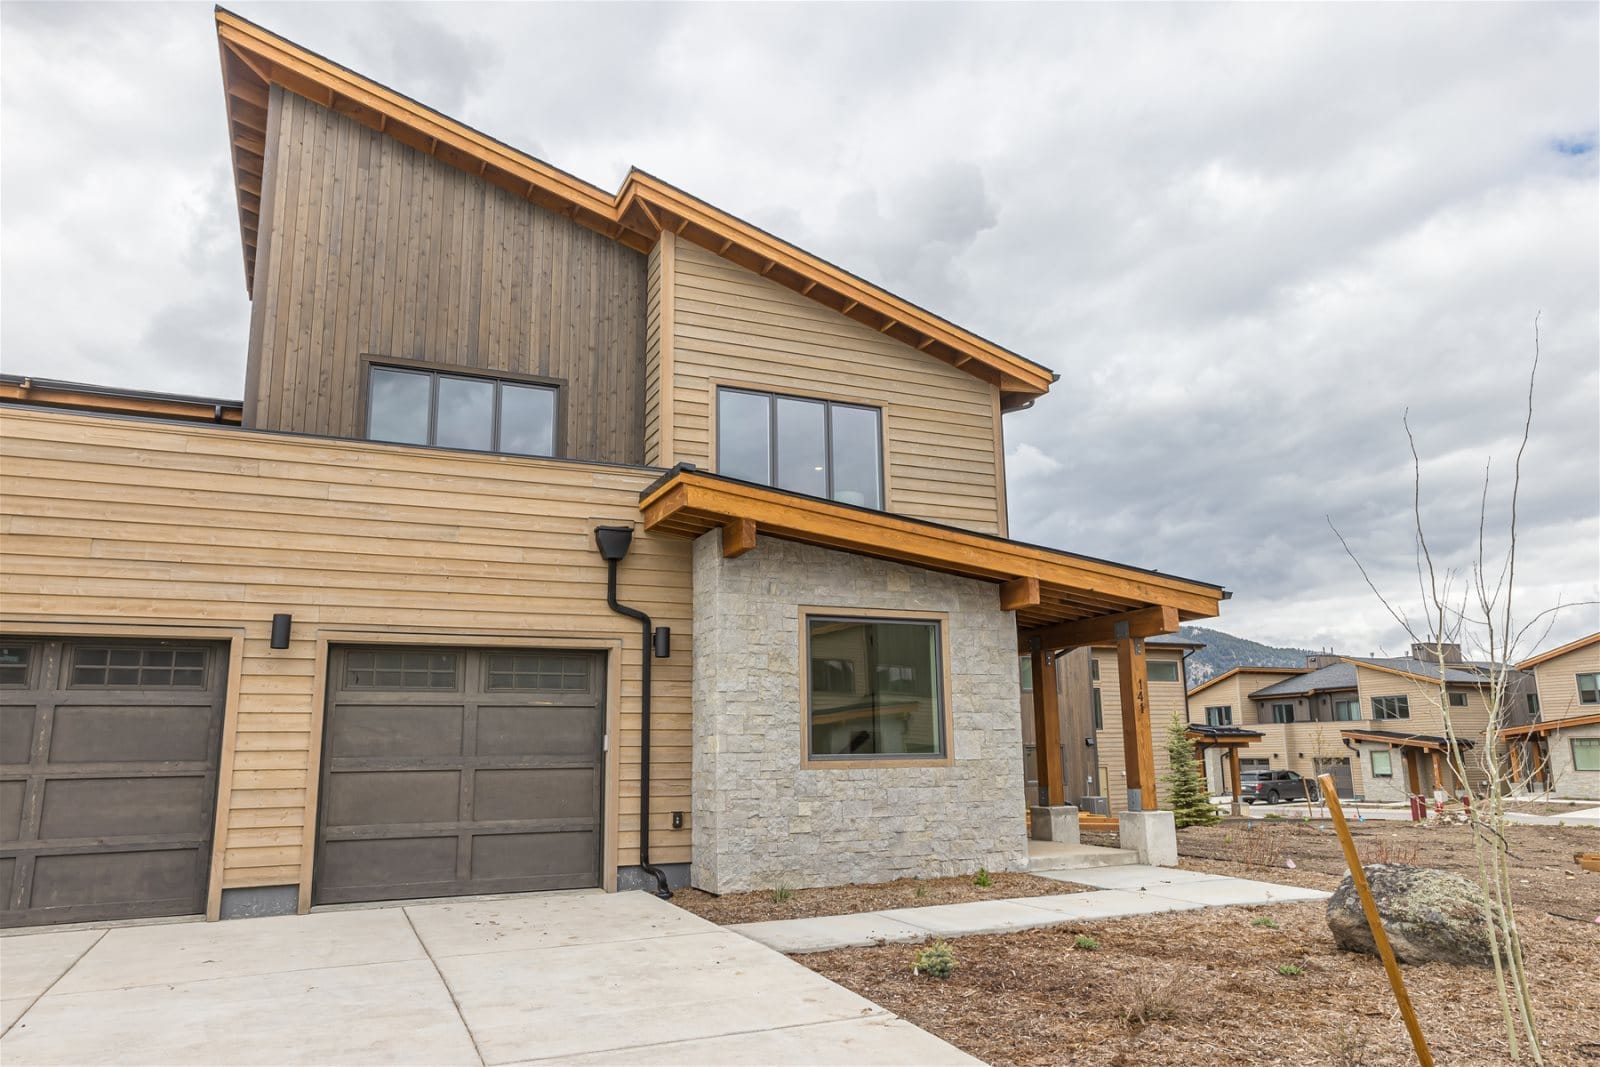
[1458, 700]
[1162, 670]
[1094, 668]
[894, 706]
[1589, 688]
[1347, 711]
[424, 407]
[1391, 708]
[1026, 673]
[1099, 712]
[1586, 753]
[1533, 707]
[1283, 713]
[816, 447]
[1219, 716]
[1382, 763]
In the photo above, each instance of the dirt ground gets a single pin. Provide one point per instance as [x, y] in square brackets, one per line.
[1204, 987]
[762, 905]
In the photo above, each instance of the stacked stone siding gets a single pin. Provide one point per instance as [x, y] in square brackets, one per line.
[760, 819]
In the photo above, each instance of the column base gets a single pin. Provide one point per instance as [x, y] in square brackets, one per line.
[1152, 834]
[1055, 824]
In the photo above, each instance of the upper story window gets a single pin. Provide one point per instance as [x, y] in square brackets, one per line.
[1162, 670]
[1283, 713]
[1458, 700]
[1391, 708]
[816, 447]
[1220, 716]
[416, 406]
[1533, 707]
[1099, 711]
[1589, 688]
[1347, 711]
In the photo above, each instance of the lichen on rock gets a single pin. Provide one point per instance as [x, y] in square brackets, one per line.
[1430, 916]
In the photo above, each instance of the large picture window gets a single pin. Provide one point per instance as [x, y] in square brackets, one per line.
[816, 447]
[426, 407]
[893, 706]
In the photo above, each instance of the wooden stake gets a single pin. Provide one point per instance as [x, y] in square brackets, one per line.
[1330, 796]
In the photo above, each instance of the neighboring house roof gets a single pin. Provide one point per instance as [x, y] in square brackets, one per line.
[1546, 657]
[254, 59]
[1420, 669]
[1407, 740]
[1591, 719]
[1222, 731]
[1322, 680]
[1233, 672]
[1164, 640]
[50, 393]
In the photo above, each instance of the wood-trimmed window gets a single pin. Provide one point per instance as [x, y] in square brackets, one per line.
[414, 403]
[821, 448]
[1162, 670]
[897, 708]
[1589, 688]
[1391, 708]
[1220, 715]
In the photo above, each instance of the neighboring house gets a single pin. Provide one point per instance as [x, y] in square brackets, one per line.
[1553, 744]
[562, 538]
[1092, 739]
[1224, 701]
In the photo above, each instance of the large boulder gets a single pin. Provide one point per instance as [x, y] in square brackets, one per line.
[1430, 916]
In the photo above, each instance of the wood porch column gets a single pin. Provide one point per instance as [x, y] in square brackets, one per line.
[1438, 771]
[1413, 771]
[1514, 750]
[1047, 729]
[1138, 749]
[1233, 765]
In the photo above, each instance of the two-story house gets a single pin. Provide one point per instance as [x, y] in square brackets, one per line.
[561, 538]
[1552, 742]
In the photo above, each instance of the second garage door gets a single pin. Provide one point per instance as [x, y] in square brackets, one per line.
[456, 771]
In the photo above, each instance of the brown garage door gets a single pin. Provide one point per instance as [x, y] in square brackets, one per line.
[453, 771]
[108, 777]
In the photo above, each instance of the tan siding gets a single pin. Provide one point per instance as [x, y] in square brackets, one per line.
[735, 327]
[117, 522]
[1557, 682]
[374, 249]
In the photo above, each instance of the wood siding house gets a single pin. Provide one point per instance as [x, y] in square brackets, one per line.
[378, 629]
[1553, 747]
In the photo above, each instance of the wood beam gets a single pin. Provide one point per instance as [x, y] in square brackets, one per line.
[1019, 593]
[738, 537]
[1413, 760]
[1138, 747]
[1047, 730]
[1233, 767]
[1512, 750]
[1103, 629]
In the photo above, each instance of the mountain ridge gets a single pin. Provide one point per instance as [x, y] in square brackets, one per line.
[1225, 651]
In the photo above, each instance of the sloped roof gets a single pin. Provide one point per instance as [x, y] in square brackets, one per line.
[1572, 646]
[254, 60]
[1325, 679]
[1425, 670]
[1233, 672]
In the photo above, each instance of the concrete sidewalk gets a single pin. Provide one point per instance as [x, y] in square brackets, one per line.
[1123, 890]
[575, 978]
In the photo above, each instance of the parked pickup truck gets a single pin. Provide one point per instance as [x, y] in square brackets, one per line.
[1273, 786]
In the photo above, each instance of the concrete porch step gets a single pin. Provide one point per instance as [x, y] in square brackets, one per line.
[1058, 856]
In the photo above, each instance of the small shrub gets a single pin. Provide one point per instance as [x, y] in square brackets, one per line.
[1149, 999]
[1272, 815]
[1289, 970]
[983, 880]
[1384, 851]
[782, 894]
[920, 891]
[1085, 942]
[935, 961]
[1348, 1048]
[1266, 922]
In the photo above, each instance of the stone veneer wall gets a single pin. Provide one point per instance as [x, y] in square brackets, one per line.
[1570, 782]
[760, 819]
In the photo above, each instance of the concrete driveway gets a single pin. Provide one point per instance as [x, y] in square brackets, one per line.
[545, 978]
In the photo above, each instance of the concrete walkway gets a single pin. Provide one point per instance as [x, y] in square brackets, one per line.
[571, 978]
[1133, 889]
[1355, 811]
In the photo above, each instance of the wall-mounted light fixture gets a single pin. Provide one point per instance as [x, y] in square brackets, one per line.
[280, 630]
[663, 642]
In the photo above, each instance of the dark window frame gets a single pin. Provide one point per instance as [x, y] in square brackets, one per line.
[1458, 700]
[944, 716]
[828, 405]
[1533, 707]
[1224, 716]
[1284, 709]
[559, 386]
[1584, 694]
[1400, 708]
[1099, 709]
[1354, 707]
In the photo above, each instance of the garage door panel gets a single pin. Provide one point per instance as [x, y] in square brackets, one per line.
[106, 733]
[8, 874]
[395, 730]
[17, 721]
[543, 793]
[13, 795]
[125, 807]
[555, 731]
[534, 856]
[494, 786]
[391, 863]
[368, 798]
[159, 879]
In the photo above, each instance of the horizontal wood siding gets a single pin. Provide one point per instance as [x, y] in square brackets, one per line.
[1166, 701]
[118, 522]
[1557, 682]
[375, 249]
[733, 326]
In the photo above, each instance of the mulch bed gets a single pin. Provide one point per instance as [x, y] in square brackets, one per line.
[762, 905]
[1203, 987]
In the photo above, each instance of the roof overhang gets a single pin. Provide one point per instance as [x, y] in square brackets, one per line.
[254, 60]
[43, 392]
[1427, 742]
[1212, 737]
[1571, 646]
[1062, 600]
[1552, 725]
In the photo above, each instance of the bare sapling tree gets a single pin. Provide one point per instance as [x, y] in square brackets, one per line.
[1471, 606]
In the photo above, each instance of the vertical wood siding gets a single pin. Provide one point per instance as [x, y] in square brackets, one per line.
[734, 326]
[116, 521]
[370, 248]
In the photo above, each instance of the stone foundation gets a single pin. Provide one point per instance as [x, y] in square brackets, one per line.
[761, 820]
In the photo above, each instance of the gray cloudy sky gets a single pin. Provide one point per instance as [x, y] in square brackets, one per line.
[1248, 237]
